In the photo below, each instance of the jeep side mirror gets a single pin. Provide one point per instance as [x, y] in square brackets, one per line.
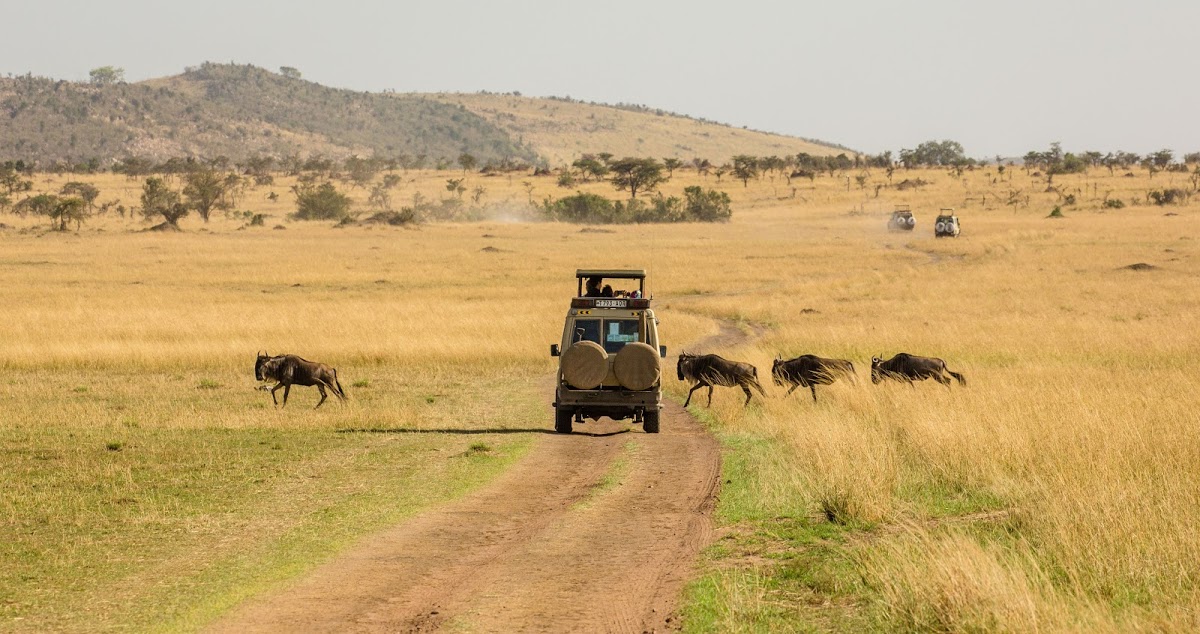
[554, 349]
[662, 351]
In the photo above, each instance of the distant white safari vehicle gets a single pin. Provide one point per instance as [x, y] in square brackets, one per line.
[946, 225]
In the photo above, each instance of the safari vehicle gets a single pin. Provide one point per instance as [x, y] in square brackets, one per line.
[609, 355]
[902, 219]
[946, 225]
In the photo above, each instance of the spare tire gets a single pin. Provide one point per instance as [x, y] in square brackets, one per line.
[911, 221]
[636, 366]
[584, 365]
[941, 227]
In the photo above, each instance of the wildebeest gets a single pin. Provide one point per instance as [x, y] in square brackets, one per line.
[289, 370]
[908, 367]
[709, 370]
[809, 371]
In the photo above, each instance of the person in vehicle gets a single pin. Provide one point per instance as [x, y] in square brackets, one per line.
[592, 287]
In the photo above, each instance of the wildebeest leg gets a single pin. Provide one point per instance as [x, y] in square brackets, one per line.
[286, 389]
[694, 388]
[273, 399]
[789, 392]
[709, 396]
[813, 387]
[748, 395]
[321, 389]
[943, 379]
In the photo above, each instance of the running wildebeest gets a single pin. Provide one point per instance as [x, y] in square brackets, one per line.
[810, 371]
[907, 367]
[709, 370]
[288, 370]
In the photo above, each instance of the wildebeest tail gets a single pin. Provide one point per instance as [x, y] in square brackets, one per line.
[340, 389]
[962, 380]
[754, 382]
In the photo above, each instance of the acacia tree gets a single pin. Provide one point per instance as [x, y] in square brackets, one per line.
[636, 174]
[203, 189]
[160, 200]
[106, 75]
[467, 162]
[672, 164]
[88, 192]
[745, 167]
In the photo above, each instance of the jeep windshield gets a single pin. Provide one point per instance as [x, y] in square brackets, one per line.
[612, 334]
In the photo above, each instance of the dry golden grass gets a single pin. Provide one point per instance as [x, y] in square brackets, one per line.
[563, 131]
[1057, 491]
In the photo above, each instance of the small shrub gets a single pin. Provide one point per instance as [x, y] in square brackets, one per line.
[1168, 196]
[207, 384]
[1114, 203]
[581, 208]
[361, 383]
[1069, 199]
[566, 179]
[258, 220]
[1056, 212]
[114, 446]
[707, 206]
[323, 202]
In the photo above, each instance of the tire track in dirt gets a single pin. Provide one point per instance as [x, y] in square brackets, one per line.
[549, 546]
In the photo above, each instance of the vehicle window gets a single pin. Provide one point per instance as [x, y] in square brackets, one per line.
[587, 330]
[618, 332]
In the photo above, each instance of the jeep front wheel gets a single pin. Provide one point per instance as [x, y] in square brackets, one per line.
[562, 420]
[650, 421]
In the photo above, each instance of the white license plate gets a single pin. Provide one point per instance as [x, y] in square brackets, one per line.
[611, 303]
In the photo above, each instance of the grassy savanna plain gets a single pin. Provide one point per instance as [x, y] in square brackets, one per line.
[148, 486]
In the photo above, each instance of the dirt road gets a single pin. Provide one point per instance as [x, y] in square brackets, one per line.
[596, 531]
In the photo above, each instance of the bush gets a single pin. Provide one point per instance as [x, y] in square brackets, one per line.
[1115, 203]
[699, 205]
[1168, 196]
[324, 202]
[581, 208]
[707, 206]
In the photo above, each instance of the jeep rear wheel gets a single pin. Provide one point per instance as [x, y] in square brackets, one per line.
[650, 421]
[562, 420]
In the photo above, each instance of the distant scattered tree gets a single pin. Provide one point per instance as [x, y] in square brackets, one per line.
[467, 162]
[477, 194]
[203, 189]
[160, 200]
[323, 202]
[380, 198]
[107, 75]
[672, 164]
[60, 210]
[702, 165]
[362, 171]
[455, 186]
[636, 174]
[1162, 158]
[88, 192]
[934, 154]
[590, 167]
[745, 167]
[12, 180]
[289, 72]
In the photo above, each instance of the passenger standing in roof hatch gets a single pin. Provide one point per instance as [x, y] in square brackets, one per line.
[607, 292]
[593, 287]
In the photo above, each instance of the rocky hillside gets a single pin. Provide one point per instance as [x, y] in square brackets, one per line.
[238, 111]
[234, 111]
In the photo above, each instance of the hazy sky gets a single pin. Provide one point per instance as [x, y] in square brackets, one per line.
[999, 77]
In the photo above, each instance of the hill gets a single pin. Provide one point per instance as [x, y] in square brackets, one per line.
[234, 111]
[239, 111]
[561, 130]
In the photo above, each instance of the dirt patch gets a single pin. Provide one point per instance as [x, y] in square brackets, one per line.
[521, 555]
